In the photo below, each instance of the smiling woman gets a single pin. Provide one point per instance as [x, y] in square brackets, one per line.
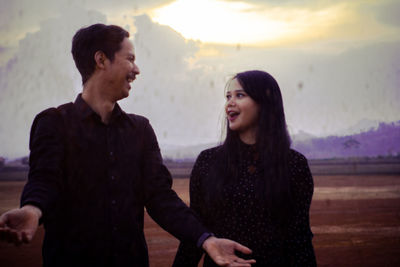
[227, 22]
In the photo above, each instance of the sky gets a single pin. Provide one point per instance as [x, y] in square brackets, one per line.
[337, 62]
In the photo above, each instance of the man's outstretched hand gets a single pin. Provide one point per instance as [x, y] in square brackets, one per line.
[19, 225]
[222, 252]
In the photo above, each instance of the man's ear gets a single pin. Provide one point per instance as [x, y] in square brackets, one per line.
[100, 58]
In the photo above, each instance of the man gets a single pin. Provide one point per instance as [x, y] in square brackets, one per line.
[93, 169]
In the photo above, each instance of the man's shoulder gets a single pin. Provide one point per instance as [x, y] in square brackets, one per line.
[137, 119]
[49, 113]
[55, 111]
[53, 115]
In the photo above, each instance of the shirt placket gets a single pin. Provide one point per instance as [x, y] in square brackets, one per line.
[113, 177]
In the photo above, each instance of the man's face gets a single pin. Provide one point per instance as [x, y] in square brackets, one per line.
[121, 71]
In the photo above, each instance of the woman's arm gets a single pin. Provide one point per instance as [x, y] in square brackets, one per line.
[299, 246]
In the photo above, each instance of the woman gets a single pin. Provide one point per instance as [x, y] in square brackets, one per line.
[253, 188]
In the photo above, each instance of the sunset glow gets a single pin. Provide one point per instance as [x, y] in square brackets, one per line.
[213, 21]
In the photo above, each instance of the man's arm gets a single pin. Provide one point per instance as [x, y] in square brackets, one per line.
[189, 254]
[19, 225]
[169, 211]
[45, 161]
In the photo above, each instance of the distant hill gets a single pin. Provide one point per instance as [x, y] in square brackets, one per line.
[381, 141]
[174, 152]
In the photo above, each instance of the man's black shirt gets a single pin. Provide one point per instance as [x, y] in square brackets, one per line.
[92, 182]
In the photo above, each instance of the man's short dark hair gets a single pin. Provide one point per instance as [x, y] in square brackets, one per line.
[97, 37]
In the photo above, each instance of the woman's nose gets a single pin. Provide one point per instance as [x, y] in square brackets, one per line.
[231, 102]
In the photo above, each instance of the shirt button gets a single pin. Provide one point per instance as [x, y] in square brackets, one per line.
[113, 202]
[115, 228]
[112, 177]
[112, 157]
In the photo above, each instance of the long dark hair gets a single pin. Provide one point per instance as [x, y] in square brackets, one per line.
[272, 144]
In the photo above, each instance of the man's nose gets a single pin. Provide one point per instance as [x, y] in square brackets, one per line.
[136, 69]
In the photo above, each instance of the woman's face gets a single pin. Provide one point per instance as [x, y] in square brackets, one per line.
[242, 112]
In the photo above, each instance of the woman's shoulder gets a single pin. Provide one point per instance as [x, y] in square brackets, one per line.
[295, 157]
[204, 162]
[209, 153]
[299, 170]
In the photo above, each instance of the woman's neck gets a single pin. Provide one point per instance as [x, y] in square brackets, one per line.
[249, 137]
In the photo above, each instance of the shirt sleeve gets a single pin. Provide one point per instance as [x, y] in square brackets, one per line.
[299, 236]
[45, 161]
[189, 254]
[162, 203]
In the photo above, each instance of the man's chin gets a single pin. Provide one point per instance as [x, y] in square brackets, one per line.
[125, 94]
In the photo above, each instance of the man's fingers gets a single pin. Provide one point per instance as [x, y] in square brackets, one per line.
[221, 261]
[26, 238]
[10, 236]
[242, 262]
[236, 264]
[3, 234]
[2, 221]
[242, 248]
[17, 238]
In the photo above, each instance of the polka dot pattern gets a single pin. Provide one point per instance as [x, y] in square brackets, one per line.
[244, 218]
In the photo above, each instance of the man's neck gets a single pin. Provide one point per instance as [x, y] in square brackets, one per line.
[100, 104]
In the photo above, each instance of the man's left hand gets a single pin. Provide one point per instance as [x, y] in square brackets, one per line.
[222, 252]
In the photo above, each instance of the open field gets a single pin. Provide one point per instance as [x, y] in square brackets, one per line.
[355, 220]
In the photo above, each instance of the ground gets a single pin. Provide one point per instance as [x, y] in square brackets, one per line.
[355, 220]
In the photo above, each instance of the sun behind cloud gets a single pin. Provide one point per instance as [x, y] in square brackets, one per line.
[223, 22]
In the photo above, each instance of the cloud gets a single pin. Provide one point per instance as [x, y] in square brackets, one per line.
[19, 17]
[325, 92]
[181, 99]
[328, 84]
[41, 74]
[389, 13]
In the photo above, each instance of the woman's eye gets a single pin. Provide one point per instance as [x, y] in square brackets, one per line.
[228, 97]
[240, 95]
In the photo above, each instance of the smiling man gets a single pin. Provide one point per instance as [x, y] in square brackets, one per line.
[93, 169]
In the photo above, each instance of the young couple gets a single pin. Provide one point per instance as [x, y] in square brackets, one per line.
[93, 169]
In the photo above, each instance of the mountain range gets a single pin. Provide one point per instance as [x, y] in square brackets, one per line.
[380, 140]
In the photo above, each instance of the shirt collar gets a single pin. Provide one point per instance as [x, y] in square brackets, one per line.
[85, 111]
